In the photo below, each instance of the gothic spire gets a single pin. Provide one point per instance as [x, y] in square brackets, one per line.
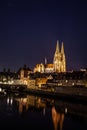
[62, 48]
[45, 60]
[57, 46]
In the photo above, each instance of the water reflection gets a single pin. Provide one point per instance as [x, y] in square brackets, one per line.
[30, 102]
[39, 103]
[9, 100]
[44, 111]
[49, 113]
[59, 109]
[23, 104]
[57, 119]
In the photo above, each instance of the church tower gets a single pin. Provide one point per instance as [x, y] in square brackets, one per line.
[45, 60]
[63, 59]
[59, 61]
[56, 60]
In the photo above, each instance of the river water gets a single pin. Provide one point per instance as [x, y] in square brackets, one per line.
[41, 113]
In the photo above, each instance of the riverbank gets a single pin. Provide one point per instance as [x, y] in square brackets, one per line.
[74, 93]
[62, 93]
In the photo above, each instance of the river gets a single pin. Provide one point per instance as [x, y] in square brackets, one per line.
[41, 113]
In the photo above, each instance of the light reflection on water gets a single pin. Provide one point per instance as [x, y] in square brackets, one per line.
[42, 113]
[57, 118]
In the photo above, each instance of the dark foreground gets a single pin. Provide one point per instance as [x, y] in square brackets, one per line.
[32, 111]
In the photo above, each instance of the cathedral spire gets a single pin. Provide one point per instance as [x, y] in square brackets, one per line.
[45, 60]
[57, 46]
[62, 48]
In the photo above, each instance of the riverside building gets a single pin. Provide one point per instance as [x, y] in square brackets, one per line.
[59, 62]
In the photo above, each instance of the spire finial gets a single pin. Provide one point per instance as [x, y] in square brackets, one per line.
[62, 48]
[45, 60]
[57, 46]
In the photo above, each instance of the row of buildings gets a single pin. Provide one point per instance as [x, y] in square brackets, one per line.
[48, 74]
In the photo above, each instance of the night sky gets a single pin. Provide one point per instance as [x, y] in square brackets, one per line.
[29, 30]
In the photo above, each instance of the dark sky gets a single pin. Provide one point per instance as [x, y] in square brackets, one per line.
[29, 30]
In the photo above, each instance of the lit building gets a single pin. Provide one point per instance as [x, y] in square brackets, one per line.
[49, 68]
[31, 83]
[41, 81]
[24, 72]
[39, 68]
[59, 62]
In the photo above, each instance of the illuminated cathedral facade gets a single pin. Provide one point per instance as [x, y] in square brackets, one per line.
[59, 62]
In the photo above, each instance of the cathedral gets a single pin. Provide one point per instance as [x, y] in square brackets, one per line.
[59, 62]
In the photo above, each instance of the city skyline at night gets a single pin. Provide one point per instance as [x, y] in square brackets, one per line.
[30, 29]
